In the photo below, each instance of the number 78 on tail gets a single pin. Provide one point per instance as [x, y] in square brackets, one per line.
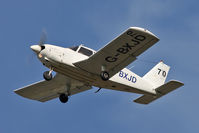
[79, 68]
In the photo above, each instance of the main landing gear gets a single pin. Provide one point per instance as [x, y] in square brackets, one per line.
[104, 75]
[63, 98]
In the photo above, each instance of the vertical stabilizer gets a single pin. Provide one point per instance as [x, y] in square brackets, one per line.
[157, 75]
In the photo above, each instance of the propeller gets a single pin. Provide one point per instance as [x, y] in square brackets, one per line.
[40, 46]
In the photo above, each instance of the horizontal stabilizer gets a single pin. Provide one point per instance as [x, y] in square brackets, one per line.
[161, 91]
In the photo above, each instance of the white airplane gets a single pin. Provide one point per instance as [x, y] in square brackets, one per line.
[79, 68]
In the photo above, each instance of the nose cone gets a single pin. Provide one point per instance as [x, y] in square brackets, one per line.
[36, 48]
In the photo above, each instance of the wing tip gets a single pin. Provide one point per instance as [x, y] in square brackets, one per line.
[145, 30]
[143, 103]
[177, 82]
[17, 91]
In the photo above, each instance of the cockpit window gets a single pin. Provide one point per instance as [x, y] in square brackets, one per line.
[85, 51]
[74, 48]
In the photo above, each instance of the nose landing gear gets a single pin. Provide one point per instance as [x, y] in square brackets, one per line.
[48, 75]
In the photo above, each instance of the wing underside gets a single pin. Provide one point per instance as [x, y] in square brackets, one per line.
[47, 90]
[120, 52]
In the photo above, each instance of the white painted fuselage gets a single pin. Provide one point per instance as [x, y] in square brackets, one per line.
[62, 61]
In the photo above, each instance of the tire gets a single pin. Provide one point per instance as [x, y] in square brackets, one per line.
[47, 76]
[63, 98]
[104, 75]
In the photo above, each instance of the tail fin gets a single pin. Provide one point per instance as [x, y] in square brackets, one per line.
[157, 75]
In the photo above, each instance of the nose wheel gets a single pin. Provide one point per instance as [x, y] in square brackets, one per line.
[48, 75]
[63, 98]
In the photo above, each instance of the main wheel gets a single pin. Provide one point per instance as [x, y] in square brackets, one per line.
[63, 98]
[104, 75]
[47, 76]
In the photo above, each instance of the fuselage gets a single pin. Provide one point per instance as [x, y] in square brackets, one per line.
[62, 61]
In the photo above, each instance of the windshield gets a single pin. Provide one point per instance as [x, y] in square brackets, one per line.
[74, 48]
[85, 51]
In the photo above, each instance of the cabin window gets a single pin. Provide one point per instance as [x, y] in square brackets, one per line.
[74, 48]
[85, 51]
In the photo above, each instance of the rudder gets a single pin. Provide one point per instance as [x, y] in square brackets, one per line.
[157, 75]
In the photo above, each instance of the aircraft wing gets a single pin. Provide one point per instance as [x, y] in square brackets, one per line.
[47, 90]
[120, 52]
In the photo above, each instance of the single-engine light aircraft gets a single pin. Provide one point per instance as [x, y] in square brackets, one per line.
[79, 68]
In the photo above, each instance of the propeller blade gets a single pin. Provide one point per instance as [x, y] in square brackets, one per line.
[30, 59]
[43, 37]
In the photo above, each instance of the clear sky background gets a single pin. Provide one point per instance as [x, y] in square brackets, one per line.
[95, 23]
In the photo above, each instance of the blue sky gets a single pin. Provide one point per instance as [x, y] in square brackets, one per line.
[95, 23]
